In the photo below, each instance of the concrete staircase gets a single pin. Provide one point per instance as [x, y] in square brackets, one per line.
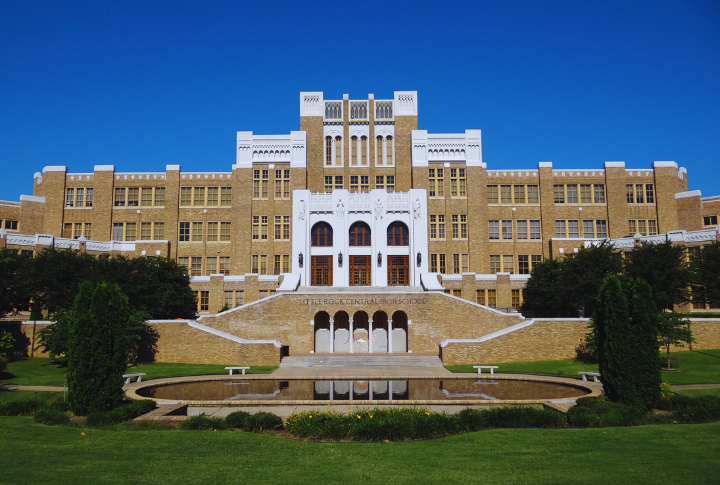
[355, 360]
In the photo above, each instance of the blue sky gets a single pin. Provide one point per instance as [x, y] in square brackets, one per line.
[140, 85]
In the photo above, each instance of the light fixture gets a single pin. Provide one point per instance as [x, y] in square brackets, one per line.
[340, 259]
[379, 259]
[300, 260]
[419, 259]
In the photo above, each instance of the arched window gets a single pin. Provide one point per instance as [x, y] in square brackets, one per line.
[353, 151]
[338, 151]
[363, 151]
[322, 234]
[397, 234]
[389, 150]
[379, 150]
[328, 150]
[359, 234]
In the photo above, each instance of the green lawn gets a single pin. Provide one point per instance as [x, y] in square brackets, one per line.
[40, 371]
[31, 453]
[698, 392]
[696, 367]
[17, 395]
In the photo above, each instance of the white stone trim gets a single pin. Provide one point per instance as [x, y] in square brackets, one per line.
[664, 164]
[32, 198]
[614, 164]
[490, 336]
[54, 168]
[220, 333]
[690, 193]
[104, 168]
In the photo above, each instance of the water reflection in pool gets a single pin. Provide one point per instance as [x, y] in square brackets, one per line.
[364, 390]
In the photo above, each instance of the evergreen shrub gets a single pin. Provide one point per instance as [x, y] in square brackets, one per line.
[591, 412]
[127, 412]
[51, 416]
[236, 419]
[21, 407]
[202, 423]
[263, 421]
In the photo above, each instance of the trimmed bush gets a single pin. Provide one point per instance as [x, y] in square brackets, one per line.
[51, 416]
[510, 417]
[263, 421]
[21, 407]
[591, 412]
[702, 409]
[202, 423]
[120, 414]
[236, 419]
[318, 424]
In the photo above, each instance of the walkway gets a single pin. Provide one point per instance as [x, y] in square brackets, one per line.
[684, 387]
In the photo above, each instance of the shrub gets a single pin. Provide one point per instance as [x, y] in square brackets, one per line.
[21, 407]
[51, 416]
[118, 415]
[510, 417]
[263, 421]
[202, 423]
[597, 413]
[702, 409]
[236, 419]
[3, 363]
[318, 424]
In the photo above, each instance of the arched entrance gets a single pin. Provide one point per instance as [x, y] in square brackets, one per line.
[322, 333]
[360, 332]
[398, 341]
[380, 332]
[341, 339]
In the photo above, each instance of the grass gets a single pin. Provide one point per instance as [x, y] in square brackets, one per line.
[693, 367]
[698, 392]
[18, 395]
[675, 454]
[42, 371]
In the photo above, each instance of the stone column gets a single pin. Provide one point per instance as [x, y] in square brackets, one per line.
[370, 390]
[370, 336]
[389, 336]
[390, 390]
[352, 337]
[351, 391]
[332, 339]
[332, 388]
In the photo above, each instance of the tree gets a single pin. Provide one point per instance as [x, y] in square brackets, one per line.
[569, 287]
[625, 326]
[97, 348]
[664, 268]
[673, 329]
[56, 277]
[14, 281]
[705, 283]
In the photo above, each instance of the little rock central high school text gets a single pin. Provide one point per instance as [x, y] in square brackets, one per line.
[371, 230]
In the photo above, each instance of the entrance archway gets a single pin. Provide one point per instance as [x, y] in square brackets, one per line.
[342, 333]
[360, 332]
[380, 332]
[322, 333]
[399, 335]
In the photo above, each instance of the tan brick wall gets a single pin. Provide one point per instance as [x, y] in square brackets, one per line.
[25, 334]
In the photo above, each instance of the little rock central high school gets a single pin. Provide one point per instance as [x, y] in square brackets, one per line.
[360, 233]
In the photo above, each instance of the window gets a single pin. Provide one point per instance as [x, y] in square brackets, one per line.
[710, 220]
[533, 195]
[492, 194]
[229, 299]
[642, 226]
[457, 292]
[212, 231]
[211, 265]
[282, 184]
[322, 234]
[601, 228]
[225, 196]
[573, 229]
[224, 231]
[441, 261]
[185, 196]
[649, 194]
[364, 184]
[204, 301]
[130, 231]
[212, 196]
[379, 182]
[363, 151]
[286, 263]
[456, 263]
[640, 194]
[508, 264]
[354, 185]
[184, 231]
[360, 234]
[12, 225]
[515, 295]
[480, 297]
[559, 193]
[276, 264]
[521, 229]
[379, 150]
[389, 151]
[652, 228]
[505, 194]
[519, 194]
[492, 298]
[494, 229]
[572, 193]
[455, 226]
[353, 151]
[535, 229]
[441, 226]
[460, 263]
[70, 230]
[198, 196]
[338, 151]
[457, 182]
[254, 267]
[588, 229]
[69, 197]
[494, 263]
[158, 231]
[183, 261]
[523, 264]
[397, 234]
[260, 184]
[145, 231]
[328, 183]
[159, 196]
[560, 228]
[433, 226]
[282, 227]
[224, 265]
[146, 196]
[507, 230]
[586, 194]
[437, 263]
[117, 231]
[599, 193]
[390, 183]
[436, 184]
[133, 195]
[79, 197]
[535, 259]
[328, 150]
[119, 197]
[338, 182]
[197, 232]
[239, 298]
[465, 259]
[463, 226]
[195, 266]
[263, 264]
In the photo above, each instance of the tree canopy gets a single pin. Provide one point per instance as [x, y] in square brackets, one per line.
[663, 266]
[705, 267]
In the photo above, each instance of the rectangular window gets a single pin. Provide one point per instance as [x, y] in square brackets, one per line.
[264, 228]
[256, 228]
[560, 228]
[159, 231]
[442, 263]
[212, 231]
[183, 261]
[212, 196]
[573, 229]
[507, 230]
[354, 185]
[265, 182]
[278, 227]
[69, 197]
[455, 226]
[601, 228]
[630, 193]
[588, 230]
[572, 194]
[649, 194]
[599, 193]
[515, 295]
[130, 231]
[89, 198]
[184, 231]
[254, 267]
[441, 226]
[67, 230]
[145, 231]
[632, 227]
[456, 263]
[463, 226]
[390, 183]
[508, 264]
[535, 259]
[239, 298]
[535, 229]
[87, 233]
[586, 194]
[226, 196]
[436, 185]
[642, 227]
[652, 227]
[465, 260]
[263, 264]
[364, 184]
[286, 227]
[79, 196]
[433, 263]
[363, 151]
[198, 196]
[117, 231]
[433, 226]
[480, 297]
[256, 184]
[197, 232]
[119, 197]
[185, 196]
[639, 194]
[494, 263]
[379, 182]
[224, 265]
[146, 196]
[523, 264]
[133, 195]
[389, 150]
[286, 263]
[559, 193]
[276, 265]
[77, 230]
[494, 229]
[457, 292]
[338, 181]
[328, 183]
[519, 194]
[710, 220]
[533, 195]
[159, 196]
[521, 227]
[492, 194]
[211, 265]
[505, 194]
[229, 299]
[224, 231]
[204, 300]
[492, 298]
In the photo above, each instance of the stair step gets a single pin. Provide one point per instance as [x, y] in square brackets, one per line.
[361, 361]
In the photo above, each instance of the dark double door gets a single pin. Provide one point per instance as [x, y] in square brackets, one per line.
[398, 270]
[360, 270]
[321, 271]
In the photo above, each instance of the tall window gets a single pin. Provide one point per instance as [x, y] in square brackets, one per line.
[508, 264]
[379, 150]
[184, 231]
[322, 234]
[212, 196]
[363, 151]
[457, 182]
[494, 263]
[521, 229]
[435, 182]
[364, 184]
[282, 227]
[389, 150]
[492, 194]
[507, 230]
[354, 151]
[359, 234]
[397, 234]
[494, 229]
[282, 184]
[328, 150]
[338, 151]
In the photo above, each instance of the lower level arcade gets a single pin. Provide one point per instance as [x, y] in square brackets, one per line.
[361, 332]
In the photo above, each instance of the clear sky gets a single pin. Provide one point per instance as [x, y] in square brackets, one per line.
[142, 84]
